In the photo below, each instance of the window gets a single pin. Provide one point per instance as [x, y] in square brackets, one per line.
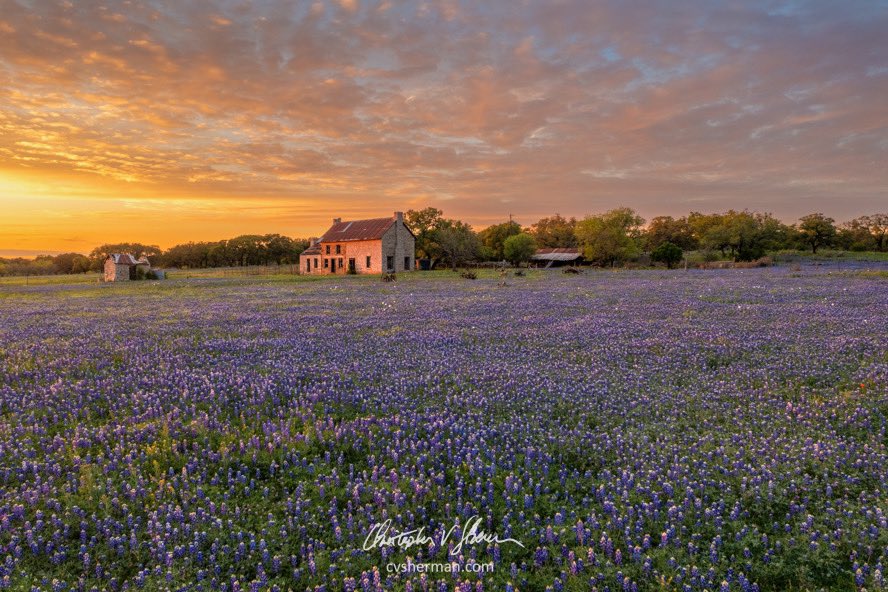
[368, 261]
[308, 265]
[338, 249]
[390, 263]
[328, 252]
[326, 262]
[406, 263]
[340, 263]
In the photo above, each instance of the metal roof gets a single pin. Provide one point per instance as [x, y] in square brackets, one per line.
[357, 230]
[123, 259]
[559, 254]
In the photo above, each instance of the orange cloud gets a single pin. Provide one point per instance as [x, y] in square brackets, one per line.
[272, 117]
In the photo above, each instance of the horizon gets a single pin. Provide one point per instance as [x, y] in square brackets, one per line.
[31, 254]
[159, 124]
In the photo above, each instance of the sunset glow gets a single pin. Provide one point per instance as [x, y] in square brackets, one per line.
[164, 122]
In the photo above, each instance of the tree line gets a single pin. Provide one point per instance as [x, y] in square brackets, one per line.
[620, 235]
[248, 249]
[611, 238]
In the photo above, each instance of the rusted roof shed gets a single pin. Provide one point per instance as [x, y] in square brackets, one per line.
[558, 254]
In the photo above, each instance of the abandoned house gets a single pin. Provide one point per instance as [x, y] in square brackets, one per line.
[377, 245]
[123, 266]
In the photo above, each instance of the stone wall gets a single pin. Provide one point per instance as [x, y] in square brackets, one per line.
[359, 251]
[116, 273]
[400, 244]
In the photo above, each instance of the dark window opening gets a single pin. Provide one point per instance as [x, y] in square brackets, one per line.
[406, 263]
[338, 249]
[390, 263]
[368, 261]
[328, 249]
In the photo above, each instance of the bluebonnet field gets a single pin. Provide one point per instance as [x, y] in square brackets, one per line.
[717, 430]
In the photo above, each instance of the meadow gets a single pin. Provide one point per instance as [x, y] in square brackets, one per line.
[634, 430]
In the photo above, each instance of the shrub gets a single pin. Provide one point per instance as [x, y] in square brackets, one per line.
[469, 275]
[667, 253]
[519, 248]
[388, 277]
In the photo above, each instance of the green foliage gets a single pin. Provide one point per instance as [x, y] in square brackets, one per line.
[519, 248]
[816, 230]
[744, 236]
[244, 250]
[663, 229]
[456, 242]
[423, 224]
[442, 239]
[494, 238]
[66, 263]
[555, 232]
[667, 253]
[612, 237]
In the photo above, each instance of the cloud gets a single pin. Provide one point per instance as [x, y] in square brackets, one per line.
[560, 105]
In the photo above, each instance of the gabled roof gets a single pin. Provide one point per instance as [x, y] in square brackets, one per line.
[559, 254]
[358, 230]
[312, 250]
[123, 259]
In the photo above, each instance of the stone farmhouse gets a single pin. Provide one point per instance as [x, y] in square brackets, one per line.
[123, 267]
[378, 245]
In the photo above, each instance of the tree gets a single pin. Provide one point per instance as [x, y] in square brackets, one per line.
[817, 230]
[71, 263]
[710, 231]
[744, 235]
[611, 237]
[519, 248]
[663, 229]
[867, 232]
[878, 227]
[555, 232]
[456, 242]
[667, 253]
[423, 224]
[854, 235]
[494, 237]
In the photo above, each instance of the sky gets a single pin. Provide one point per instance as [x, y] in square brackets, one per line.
[164, 121]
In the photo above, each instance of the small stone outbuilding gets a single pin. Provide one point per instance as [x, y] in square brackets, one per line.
[124, 267]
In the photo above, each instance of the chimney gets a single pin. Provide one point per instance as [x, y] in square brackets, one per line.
[337, 220]
[399, 216]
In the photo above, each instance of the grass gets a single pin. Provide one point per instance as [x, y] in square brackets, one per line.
[42, 280]
[830, 255]
[285, 273]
